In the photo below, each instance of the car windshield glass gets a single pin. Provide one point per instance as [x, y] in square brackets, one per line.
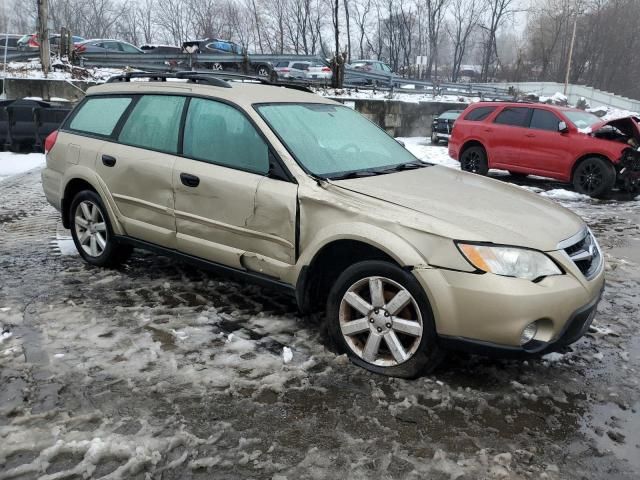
[582, 119]
[333, 141]
[450, 115]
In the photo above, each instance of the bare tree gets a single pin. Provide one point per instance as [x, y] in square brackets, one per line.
[496, 13]
[362, 9]
[435, 14]
[464, 19]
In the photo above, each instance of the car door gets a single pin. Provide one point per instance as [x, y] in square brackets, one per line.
[545, 149]
[138, 168]
[506, 135]
[228, 208]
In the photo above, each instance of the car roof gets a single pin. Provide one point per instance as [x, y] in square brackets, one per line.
[525, 105]
[241, 93]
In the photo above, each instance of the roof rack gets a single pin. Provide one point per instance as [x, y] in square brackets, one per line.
[216, 79]
[302, 86]
[194, 77]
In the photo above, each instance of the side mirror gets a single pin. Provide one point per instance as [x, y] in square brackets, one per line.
[562, 127]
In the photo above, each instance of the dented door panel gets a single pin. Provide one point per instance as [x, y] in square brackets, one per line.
[236, 218]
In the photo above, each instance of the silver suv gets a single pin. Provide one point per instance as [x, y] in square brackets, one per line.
[291, 190]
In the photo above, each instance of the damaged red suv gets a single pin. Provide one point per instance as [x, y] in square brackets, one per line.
[566, 144]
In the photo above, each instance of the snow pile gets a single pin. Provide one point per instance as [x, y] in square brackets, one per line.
[561, 194]
[422, 148]
[32, 69]
[13, 164]
[611, 113]
[555, 99]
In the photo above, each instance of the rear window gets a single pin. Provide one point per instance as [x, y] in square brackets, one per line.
[513, 116]
[479, 114]
[99, 115]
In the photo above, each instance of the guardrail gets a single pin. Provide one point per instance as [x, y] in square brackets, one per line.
[249, 63]
[17, 56]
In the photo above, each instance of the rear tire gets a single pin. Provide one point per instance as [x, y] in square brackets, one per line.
[92, 233]
[390, 330]
[594, 176]
[474, 160]
[262, 71]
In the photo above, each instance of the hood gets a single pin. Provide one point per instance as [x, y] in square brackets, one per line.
[476, 208]
[628, 125]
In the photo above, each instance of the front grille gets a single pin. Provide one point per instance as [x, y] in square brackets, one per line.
[585, 253]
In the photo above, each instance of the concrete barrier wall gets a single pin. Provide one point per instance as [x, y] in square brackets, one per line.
[595, 97]
[46, 89]
[401, 119]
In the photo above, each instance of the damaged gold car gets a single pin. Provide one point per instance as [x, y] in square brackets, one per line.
[290, 190]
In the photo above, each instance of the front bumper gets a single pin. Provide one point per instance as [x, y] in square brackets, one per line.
[486, 313]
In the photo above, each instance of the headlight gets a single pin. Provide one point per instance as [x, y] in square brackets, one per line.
[509, 261]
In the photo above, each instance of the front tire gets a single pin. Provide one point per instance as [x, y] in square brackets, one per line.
[594, 176]
[474, 160]
[92, 233]
[380, 317]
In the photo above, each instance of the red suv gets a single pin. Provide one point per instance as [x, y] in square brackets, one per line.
[563, 143]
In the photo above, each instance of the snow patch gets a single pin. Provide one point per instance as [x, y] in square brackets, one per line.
[13, 164]
[561, 194]
[287, 355]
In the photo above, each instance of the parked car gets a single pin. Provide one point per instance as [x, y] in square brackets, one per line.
[442, 125]
[375, 66]
[303, 194]
[32, 42]
[99, 45]
[161, 49]
[290, 69]
[566, 144]
[218, 46]
[318, 71]
[9, 41]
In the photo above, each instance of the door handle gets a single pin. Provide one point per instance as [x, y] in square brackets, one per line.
[108, 160]
[530, 135]
[189, 180]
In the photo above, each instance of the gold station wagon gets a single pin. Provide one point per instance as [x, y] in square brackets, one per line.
[288, 189]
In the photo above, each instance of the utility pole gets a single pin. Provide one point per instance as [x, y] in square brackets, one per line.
[573, 39]
[43, 34]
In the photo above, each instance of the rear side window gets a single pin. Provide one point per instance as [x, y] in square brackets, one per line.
[154, 123]
[217, 133]
[544, 120]
[479, 114]
[99, 115]
[514, 116]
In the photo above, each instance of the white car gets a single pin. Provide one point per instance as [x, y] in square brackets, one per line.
[318, 71]
[291, 70]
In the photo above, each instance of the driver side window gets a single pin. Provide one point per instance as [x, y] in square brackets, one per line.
[217, 133]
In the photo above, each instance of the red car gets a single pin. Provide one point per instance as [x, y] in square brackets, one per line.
[567, 144]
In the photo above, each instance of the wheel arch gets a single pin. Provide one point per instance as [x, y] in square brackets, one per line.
[584, 157]
[78, 179]
[473, 143]
[317, 277]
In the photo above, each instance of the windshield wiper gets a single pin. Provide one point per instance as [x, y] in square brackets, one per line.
[405, 166]
[354, 174]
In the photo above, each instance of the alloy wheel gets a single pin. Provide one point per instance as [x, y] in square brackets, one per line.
[380, 321]
[591, 177]
[91, 229]
[472, 161]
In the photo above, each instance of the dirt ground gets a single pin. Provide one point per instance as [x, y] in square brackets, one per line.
[159, 370]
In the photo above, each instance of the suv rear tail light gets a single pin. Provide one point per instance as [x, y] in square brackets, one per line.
[79, 48]
[326, 69]
[50, 141]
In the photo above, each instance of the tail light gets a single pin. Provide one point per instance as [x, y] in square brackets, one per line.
[33, 41]
[326, 69]
[285, 70]
[50, 141]
[79, 48]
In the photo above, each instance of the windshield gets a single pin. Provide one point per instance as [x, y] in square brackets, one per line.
[332, 140]
[582, 119]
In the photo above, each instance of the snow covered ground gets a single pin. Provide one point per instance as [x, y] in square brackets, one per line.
[397, 95]
[158, 370]
[13, 163]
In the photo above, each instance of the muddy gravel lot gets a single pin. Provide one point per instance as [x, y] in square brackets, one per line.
[159, 370]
